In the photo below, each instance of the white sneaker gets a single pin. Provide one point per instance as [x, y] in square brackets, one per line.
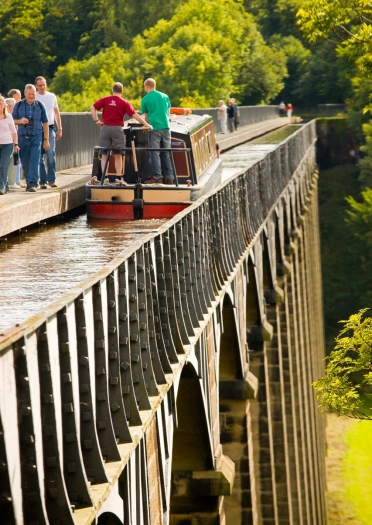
[14, 187]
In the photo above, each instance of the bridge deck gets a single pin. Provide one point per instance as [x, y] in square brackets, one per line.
[19, 209]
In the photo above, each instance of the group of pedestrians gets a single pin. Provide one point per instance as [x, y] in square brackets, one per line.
[285, 108]
[155, 107]
[29, 127]
[227, 116]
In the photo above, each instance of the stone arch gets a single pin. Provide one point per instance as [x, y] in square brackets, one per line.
[268, 278]
[191, 442]
[253, 313]
[109, 518]
[230, 362]
[278, 220]
[254, 310]
[234, 389]
[194, 485]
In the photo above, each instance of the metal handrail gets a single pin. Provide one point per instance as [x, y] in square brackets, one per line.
[172, 150]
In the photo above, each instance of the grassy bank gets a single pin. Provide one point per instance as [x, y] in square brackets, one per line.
[349, 456]
[349, 472]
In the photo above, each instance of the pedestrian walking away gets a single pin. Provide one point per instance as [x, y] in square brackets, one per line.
[8, 141]
[231, 115]
[48, 174]
[33, 133]
[237, 113]
[16, 95]
[155, 107]
[114, 108]
[289, 110]
[282, 108]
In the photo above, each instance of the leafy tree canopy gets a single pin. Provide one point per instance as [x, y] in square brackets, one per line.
[346, 387]
[275, 16]
[80, 83]
[346, 23]
[207, 51]
[22, 32]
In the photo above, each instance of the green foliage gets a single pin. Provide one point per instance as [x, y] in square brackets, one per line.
[275, 16]
[207, 51]
[80, 83]
[22, 33]
[297, 61]
[140, 16]
[346, 386]
[360, 217]
[347, 23]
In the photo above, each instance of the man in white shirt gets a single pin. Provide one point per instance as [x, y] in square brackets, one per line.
[48, 176]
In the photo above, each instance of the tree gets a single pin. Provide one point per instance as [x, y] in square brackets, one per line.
[207, 51]
[346, 387]
[346, 23]
[23, 43]
[80, 83]
[297, 60]
[275, 16]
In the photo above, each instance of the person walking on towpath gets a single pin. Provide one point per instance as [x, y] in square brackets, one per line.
[222, 116]
[17, 96]
[114, 108]
[231, 115]
[155, 106]
[33, 133]
[48, 176]
[8, 141]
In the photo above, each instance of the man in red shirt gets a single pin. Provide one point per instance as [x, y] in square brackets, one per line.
[114, 108]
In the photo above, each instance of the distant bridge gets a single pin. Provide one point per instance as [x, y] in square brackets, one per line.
[174, 387]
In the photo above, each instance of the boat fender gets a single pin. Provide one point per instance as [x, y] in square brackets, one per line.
[180, 111]
[137, 204]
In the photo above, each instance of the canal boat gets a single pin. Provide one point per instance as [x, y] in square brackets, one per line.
[195, 160]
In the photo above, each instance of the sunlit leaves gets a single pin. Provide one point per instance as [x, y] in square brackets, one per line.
[207, 51]
[345, 388]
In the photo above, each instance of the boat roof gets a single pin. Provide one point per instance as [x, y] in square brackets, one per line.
[188, 124]
[182, 124]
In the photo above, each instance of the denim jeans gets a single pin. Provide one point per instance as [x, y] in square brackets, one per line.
[160, 138]
[6, 151]
[30, 157]
[18, 173]
[49, 174]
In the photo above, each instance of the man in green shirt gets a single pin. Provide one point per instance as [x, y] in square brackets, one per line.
[155, 107]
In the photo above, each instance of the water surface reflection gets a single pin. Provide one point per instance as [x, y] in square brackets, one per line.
[38, 267]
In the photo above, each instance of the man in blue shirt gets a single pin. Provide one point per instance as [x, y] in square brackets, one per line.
[155, 106]
[33, 134]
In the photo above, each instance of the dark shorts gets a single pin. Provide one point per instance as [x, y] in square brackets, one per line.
[111, 137]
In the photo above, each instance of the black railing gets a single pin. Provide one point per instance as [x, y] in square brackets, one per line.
[80, 134]
[123, 151]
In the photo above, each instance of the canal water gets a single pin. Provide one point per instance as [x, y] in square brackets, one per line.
[37, 267]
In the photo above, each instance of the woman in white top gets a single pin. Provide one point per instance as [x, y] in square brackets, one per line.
[222, 116]
[8, 140]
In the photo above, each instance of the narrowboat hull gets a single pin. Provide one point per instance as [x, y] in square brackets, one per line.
[126, 198]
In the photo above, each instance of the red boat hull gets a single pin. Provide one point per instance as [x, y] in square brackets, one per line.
[124, 211]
